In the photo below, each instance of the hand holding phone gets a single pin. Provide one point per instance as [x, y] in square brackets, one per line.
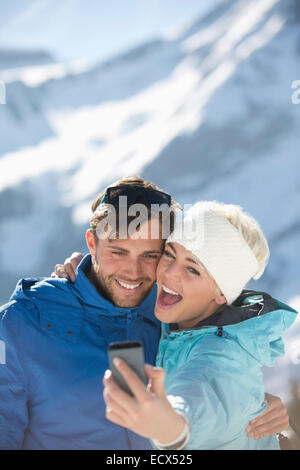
[133, 353]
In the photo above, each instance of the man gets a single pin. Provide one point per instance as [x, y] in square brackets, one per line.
[56, 333]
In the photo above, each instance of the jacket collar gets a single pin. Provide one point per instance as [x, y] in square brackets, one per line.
[88, 295]
[248, 305]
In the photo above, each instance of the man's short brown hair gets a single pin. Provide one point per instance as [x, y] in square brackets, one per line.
[101, 211]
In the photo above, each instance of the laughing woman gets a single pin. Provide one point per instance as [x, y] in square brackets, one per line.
[215, 338]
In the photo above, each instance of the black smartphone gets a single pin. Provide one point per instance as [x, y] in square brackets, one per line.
[133, 353]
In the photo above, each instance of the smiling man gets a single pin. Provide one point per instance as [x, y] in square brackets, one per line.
[56, 332]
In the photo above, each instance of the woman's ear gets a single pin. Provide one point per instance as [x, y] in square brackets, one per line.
[90, 241]
[220, 298]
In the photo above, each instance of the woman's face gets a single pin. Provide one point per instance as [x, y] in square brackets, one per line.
[186, 293]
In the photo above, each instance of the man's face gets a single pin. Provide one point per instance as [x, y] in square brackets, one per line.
[126, 269]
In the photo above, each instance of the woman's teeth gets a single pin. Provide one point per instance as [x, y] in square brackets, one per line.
[168, 298]
[129, 286]
[169, 291]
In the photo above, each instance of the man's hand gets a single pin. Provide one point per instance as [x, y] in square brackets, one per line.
[274, 420]
[68, 269]
[148, 412]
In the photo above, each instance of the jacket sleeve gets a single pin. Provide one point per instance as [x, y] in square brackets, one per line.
[13, 388]
[216, 404]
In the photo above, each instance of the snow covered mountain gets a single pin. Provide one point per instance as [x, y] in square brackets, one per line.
[13, 58]
[206, 114]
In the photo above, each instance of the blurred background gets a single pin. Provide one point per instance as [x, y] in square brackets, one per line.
[195, 96]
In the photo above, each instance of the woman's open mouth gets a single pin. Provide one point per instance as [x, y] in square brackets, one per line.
[168, 298]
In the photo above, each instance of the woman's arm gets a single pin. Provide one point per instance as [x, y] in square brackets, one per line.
[148, 412]
[215, 411]
[153, 414]
[68, 269]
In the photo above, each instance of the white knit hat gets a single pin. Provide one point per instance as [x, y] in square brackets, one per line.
[219, 246]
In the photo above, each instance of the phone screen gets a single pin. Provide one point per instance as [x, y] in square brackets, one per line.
[133, 353]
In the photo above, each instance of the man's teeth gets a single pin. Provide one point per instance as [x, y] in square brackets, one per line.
[129, 286]
[169, 291]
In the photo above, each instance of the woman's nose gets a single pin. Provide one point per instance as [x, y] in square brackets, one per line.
[173, 271]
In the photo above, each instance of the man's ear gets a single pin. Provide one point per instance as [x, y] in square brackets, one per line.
[220, 298]
[90, 241]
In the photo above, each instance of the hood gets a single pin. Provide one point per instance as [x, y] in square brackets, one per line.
[256, 321]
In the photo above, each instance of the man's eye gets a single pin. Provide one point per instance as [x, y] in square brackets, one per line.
[151, 256]
[118, 253]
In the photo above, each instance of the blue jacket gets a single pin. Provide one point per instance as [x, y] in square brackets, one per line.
[56, 336]
[213, 371]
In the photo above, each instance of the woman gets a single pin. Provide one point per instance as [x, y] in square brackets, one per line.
[208, 383]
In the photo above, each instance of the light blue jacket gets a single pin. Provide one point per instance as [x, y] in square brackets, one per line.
[56, 335]
[213, 372]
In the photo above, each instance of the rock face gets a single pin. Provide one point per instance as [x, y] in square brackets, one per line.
[207, 114]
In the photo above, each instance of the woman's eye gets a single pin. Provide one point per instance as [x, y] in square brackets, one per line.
[193, 271]
[168, 254]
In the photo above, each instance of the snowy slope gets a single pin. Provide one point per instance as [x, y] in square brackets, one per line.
[13, 58]
[206, 114]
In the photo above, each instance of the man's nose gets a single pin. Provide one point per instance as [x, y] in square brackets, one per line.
[134, 270]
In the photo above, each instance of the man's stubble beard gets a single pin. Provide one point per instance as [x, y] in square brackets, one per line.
[104, 287]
